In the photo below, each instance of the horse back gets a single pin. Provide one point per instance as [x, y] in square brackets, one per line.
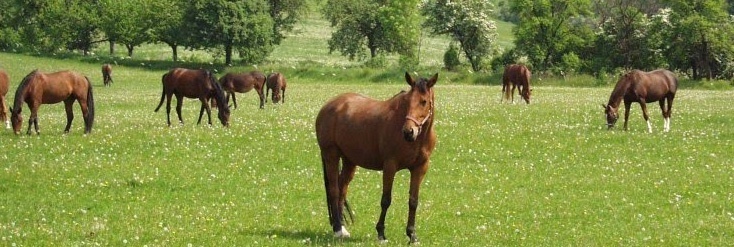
[59, 86]
[276, 81]
[517, 74]
[187, 82]
[654, 85]
[4, 83]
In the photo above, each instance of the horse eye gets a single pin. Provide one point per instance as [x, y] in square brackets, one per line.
[423, 102]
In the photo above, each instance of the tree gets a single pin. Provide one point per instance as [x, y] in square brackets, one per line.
[71, 24]
[467, 22]
[129, 22]
[285, 14]
[378, 26]
[551, 29]
[229, 25]
[698, 33]
[170, 28]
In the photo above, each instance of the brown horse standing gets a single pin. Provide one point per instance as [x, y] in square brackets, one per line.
[4, 85]
[643, 87]
[386, 135]
[243, 83]
[107, 74]
[516, 76]
[276, 83]
[197, 84]
[40, 88]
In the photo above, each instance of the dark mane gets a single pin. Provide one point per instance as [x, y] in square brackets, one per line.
[218, 92]
[18, 102]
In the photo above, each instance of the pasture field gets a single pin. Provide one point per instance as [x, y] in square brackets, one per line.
[545, 174]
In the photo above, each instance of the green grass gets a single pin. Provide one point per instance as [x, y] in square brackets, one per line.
[546, 174]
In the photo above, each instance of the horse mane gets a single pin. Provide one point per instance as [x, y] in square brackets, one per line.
[19, 93]
[621, 88]
[218, 91]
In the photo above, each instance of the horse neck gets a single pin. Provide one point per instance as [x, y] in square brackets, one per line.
[618, 93]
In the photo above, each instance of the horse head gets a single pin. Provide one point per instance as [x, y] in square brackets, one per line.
[16, 119]
[526, 91]
[220, 99]
[419, 102]
[612, 115]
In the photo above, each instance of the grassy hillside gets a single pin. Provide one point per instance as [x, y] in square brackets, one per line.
[545, 174]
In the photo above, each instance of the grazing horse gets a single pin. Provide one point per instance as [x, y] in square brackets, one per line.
[276, 83]
[196, 84]
[243, 83]
[4, 85]
[107, 74]
[516, 76]
[41, 88]
[386, 135]
[643, 87]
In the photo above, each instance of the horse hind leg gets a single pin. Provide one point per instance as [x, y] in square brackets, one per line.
[68, 105]
[330, 161]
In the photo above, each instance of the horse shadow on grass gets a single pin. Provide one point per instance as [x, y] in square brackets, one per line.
[307, 236]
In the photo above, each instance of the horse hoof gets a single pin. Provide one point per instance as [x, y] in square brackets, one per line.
[382, 240]
[343, 233]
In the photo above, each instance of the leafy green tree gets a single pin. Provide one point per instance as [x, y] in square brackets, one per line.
[244, 26]
[699, 34]
[170, 28]
[550, 29]
[285, 14]
[71, 24]
[467, 22]
[375, 26]
[129, 22]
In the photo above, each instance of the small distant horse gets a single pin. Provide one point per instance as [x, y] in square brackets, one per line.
[386, 135]
[276, 83]
[516, 76]
[196, 84]
[4, 85]
[243, 83]
[41, 88]
[643, 87]
[107, 74]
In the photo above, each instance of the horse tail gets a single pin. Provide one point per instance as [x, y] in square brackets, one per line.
[90, 106]
[506, 88]
[163, 92]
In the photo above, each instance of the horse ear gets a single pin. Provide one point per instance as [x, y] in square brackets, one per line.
[433, 80]
[409, 79]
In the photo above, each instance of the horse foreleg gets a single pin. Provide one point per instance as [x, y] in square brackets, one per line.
[388, 176]
[283, 92]
[234, 99]
[33, 120]
[627, 106]
[512, 92]
[69, 114]
[416, 178]
[643, 105]
[201, 113]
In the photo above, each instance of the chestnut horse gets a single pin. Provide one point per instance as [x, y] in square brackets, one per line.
[4, 84]
[41, 88]
[197, 84]
[276, 83]
[643, 87]
[243, 83]
[516, 75]
[389, 135]
[107, 74]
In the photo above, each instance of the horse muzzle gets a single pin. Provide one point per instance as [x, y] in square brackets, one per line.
[411, 133]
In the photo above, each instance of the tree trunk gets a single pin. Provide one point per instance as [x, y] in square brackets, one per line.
[112, 47]
[228, 54]
[130, 50]
[175, 52]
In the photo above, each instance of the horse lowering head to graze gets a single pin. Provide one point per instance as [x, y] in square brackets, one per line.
[197, 84]
[243, 83]
[516, 75]
[389, 135]
[276, 83]
[107, 74]
[50, 88]
[4, 87]
[642, 87]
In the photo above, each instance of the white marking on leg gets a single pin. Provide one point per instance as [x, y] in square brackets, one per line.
[649, 127]
[667, 124]
[343, 233]
[7, 124]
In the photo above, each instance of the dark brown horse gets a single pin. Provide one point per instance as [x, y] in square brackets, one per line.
[643, 87]
[389, 135]
[40, 88]
[196, 84]
[107, 74]
[276, 83]
[243, 83]
[4, 85]
[516, 76]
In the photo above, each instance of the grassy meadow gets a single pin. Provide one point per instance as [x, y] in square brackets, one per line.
[544, 174]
